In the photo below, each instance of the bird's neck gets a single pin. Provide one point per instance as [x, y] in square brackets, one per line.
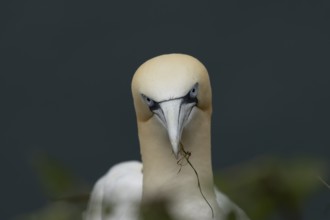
[164, 176]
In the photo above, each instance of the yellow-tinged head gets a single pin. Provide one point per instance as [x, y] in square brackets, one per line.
[169, 87]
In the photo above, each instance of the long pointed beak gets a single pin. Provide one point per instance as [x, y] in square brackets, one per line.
[174, 114]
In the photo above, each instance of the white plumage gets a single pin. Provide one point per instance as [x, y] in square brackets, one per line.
[117, 195]
[173, 104]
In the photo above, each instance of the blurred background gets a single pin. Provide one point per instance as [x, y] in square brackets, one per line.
[67, 114]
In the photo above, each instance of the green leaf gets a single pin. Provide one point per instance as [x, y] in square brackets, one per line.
[58, 181]
[268, 186]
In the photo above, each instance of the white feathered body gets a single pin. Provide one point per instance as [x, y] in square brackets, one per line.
[118, 195]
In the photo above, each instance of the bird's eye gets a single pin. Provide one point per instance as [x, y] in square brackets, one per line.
[193, 92]
[192, 95]
[151, 103]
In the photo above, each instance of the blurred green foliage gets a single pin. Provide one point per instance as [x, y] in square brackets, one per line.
[262, 188]
[271, 186]
[55, 211]
[155, 210]
[57, 180]
[67, 194]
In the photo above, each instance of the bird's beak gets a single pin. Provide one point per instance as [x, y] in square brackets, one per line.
[174, 115]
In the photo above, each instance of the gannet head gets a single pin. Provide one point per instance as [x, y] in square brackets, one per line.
[169, 87]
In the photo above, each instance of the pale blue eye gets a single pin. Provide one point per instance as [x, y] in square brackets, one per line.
[151, 103]
[193, 92]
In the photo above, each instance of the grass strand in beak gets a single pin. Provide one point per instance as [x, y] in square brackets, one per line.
[186, 155]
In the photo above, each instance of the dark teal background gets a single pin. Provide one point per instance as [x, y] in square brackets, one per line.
[66, 67]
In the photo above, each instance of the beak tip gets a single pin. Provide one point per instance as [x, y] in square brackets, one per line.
[176, 155]
[175, 149]
[174, 117]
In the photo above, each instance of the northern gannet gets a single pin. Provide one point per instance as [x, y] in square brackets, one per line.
[173, 103]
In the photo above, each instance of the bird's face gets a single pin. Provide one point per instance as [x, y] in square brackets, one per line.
[169, 87]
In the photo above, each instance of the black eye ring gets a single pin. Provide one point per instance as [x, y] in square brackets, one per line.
[153, 105]
[193, 92]
[150, 102]
[192, 95]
